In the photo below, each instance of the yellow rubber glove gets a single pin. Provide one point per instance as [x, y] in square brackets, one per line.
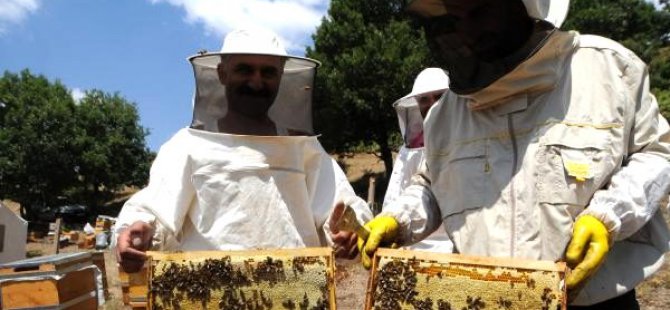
[587, 250]
[383, 230]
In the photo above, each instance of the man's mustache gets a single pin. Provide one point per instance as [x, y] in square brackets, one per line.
[248, 91]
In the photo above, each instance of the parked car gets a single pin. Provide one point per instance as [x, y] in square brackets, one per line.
[43, 214]
[72, 213]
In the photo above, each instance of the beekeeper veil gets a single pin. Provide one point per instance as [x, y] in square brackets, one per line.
[291, 111]
[476, 56]
[429, 80]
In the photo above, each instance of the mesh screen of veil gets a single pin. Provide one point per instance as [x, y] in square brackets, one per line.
[292, 108]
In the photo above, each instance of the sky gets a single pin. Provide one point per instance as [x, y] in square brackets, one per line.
[139, 48]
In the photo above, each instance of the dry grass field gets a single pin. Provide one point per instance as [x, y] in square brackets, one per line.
[351, 277]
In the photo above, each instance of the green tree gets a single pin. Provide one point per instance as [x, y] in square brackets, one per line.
[370, 54]
[52, 148]
[111, 147]
[637, 24]
[660, 79]
[663, 97]
[37, 125]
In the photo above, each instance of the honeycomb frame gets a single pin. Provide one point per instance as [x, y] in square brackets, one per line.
[403, 279]
[258, 279]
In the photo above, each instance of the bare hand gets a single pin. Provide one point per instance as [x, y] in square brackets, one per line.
[131, 245]
[345, 241]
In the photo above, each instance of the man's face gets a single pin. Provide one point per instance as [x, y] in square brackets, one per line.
[252, 82]
[427, 100]
[490, 29]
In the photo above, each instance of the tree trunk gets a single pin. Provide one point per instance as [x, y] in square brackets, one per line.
[387, 157]
[385, 151]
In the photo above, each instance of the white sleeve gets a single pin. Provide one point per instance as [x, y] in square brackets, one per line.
[406, 164]
[416, 210]
[394, 189]
[638, 188]
[345, 193]
[166, 200]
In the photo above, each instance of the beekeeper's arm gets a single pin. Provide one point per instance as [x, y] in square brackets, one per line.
[413, 216]
[159, 209]
[637, 189]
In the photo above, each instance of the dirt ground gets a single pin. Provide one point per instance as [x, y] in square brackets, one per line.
[654, 293]
[351, 277]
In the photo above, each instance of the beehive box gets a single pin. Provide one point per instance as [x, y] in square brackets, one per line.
[62, 281]
[103, 224]
[98, 259]
[268, 279]
[402, 279]
[87, 242]
[134, 288]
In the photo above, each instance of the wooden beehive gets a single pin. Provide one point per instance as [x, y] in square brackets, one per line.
[56, 281]
[134, 288]
[402, 279]
[263, 279]
[86, 242]
[98, 259]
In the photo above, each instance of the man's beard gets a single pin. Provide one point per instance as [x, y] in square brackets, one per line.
[470, 72]
[250, 102]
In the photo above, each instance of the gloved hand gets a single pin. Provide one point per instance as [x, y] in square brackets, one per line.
[383, 230]
[587, 250]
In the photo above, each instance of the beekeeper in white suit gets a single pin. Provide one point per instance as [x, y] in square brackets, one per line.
[429, 85]
[547, 146]
[247, 174]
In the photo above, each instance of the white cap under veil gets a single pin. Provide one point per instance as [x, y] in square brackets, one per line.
[292, 108]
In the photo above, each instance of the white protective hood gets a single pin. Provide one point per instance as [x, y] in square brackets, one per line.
[292, 108]
[553, 11]
[407, 108]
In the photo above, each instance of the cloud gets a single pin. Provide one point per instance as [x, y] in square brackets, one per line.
[656, 3]
[15, 11]
[77, 94]
[294, 20]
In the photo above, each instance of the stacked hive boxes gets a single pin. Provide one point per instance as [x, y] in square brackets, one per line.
[57, 281]
[103, 224]
[134, 288]
[98, 258]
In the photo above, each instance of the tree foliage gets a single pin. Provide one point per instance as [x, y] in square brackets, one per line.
[370, 54]
[110, 146]
[635, 23]
[37, 125]
[52, 147]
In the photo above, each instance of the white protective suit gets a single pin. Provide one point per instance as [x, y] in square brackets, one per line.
[217, 191]
[571, 131]
[409, 157]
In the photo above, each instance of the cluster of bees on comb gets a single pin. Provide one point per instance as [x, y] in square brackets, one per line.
[222, 284]
[406, 284]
